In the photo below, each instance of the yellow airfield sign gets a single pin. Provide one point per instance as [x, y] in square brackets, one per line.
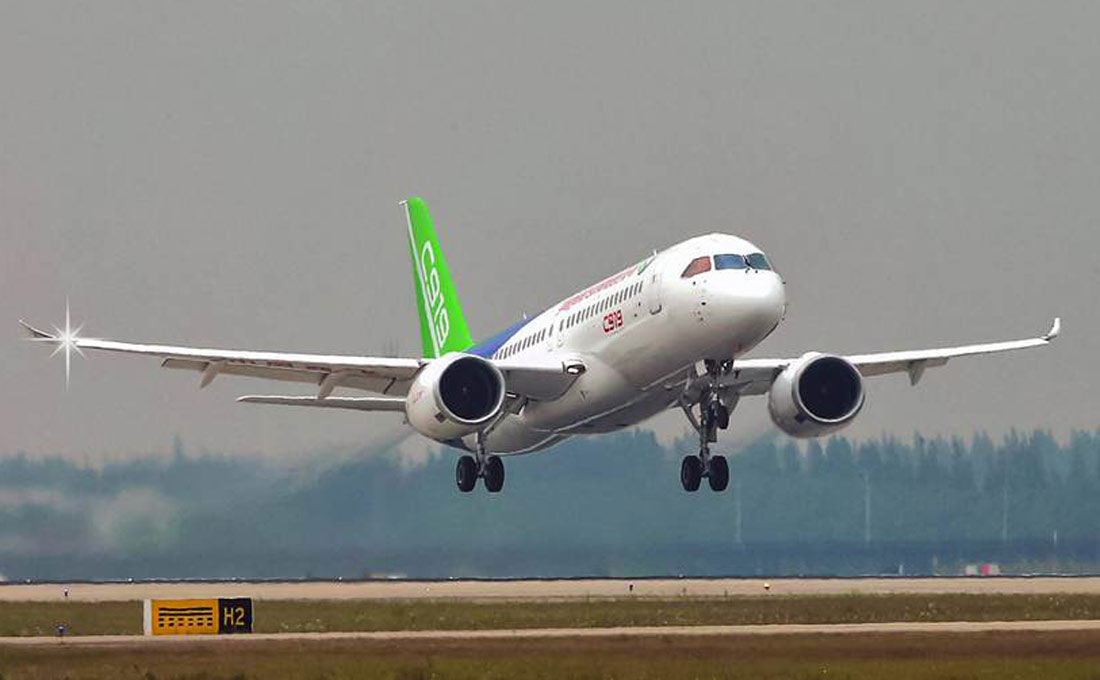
[216, 616]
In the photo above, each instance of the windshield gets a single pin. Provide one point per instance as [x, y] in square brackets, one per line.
[729, 262]
[758, 261]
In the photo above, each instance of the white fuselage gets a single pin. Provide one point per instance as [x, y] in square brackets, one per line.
[639, 334]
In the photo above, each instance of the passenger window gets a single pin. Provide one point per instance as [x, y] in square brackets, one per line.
[729, 262]
[696, 267]
[758, 261]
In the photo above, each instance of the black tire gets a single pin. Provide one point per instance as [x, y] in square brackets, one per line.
[691, 473]
[719, 477]
[466, 474]
[494, 474]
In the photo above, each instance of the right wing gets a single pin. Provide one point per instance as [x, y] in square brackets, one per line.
[374, 374]
[382, 375]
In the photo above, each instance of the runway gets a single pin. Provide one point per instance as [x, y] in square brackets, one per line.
[540, 589]
[947, 627]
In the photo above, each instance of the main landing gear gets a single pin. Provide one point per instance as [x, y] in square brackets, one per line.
[714, 415]
[488, 467]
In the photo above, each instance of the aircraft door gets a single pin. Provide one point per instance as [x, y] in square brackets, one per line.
[653, 285]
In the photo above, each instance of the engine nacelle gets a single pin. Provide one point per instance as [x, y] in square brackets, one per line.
[816, 395]
[454, 395]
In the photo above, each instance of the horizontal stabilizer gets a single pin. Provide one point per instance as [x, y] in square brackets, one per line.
[355, 403]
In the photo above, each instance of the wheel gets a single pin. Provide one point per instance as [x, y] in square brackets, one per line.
[719, 415]
[691, 473]
[466, 474]
[719, 476]
[494, 474]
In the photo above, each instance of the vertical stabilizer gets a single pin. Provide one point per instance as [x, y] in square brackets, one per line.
[442, 325]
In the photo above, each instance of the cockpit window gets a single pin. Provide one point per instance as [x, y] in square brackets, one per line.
[729, 262]
[758, 261]
[697, 266]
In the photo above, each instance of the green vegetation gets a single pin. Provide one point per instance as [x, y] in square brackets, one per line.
[1052, 656]
[334, 615]
[79, 618]
[280, 616]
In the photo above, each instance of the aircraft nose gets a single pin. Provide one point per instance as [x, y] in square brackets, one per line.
[762, 296]
[755, 302]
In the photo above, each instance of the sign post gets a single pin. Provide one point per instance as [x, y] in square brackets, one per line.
[221, 616]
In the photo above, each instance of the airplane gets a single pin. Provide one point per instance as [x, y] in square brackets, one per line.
[670, 331]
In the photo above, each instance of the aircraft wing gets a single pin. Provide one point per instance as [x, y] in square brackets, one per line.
[375, 374]
[382, 375]
[755, 376]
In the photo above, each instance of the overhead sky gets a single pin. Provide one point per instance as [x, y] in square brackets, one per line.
[227, 175]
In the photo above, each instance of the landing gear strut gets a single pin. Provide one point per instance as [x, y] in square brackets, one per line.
[714, 416]
[483, 465]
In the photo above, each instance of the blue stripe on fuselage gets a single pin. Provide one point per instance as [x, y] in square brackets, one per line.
[485, 348]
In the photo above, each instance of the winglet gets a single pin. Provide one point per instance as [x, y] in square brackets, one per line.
[34, 333]
[1055, 329]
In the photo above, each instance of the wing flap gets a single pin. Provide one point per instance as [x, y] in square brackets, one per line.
[354, 403]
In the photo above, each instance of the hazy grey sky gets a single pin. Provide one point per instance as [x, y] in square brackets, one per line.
[227, 174]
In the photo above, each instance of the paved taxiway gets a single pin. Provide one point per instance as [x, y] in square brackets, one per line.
[530, 633]
[539, 589]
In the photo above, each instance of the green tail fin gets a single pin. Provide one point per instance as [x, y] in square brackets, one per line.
[442, 325]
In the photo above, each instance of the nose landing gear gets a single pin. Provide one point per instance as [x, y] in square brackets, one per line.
[714, 415]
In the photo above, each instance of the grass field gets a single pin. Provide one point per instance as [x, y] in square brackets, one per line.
[1053, 656]
[86, 618]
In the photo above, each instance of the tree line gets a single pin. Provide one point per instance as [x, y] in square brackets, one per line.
[593, 506]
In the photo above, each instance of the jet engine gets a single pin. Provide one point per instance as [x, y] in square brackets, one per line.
[454, 395]
[816, 395]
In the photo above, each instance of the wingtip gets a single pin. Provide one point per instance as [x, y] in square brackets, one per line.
[34, 333]
[1055, 329]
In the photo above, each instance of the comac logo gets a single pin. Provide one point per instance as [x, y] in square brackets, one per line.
[429, 281]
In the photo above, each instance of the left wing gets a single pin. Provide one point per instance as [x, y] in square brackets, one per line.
[755, 376]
